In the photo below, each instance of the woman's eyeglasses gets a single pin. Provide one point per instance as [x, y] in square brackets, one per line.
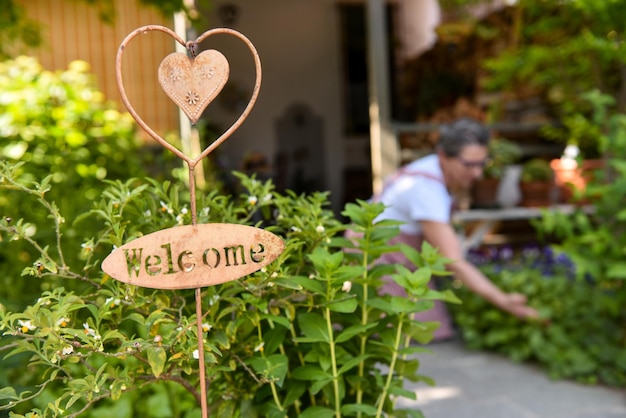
[473, 164]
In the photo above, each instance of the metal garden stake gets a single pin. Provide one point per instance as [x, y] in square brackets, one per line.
[192, 256]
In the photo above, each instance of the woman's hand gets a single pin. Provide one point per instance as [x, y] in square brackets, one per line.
[516, 304]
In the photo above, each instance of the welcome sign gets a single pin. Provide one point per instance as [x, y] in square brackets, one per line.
[193, 256]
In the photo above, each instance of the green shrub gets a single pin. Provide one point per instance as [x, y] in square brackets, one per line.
[57, 124]
[306, 336]
[580, 335]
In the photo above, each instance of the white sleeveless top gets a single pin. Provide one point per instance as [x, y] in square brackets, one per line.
[415, 193]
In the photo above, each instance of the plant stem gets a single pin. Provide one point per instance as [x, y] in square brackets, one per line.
[300, 357]
[392, 365]
[272, 384]
[333, 358]
[364, 321]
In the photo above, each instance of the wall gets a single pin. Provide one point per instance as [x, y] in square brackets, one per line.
[299, 49]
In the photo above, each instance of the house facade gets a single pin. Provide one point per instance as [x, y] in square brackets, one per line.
[311, 121]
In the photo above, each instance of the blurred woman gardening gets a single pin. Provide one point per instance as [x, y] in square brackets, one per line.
[422, 195]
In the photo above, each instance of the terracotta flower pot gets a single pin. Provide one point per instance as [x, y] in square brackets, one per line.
[569, 177]
[536, 193]
[484, 193]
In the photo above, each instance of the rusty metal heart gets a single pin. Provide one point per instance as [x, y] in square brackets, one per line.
[193, 83]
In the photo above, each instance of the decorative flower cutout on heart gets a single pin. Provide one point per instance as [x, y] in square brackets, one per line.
[176, 74]
[207, 71]
[192, 97]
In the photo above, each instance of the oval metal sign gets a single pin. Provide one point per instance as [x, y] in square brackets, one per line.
[192, 256]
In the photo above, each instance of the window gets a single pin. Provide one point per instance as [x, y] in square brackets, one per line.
[353, 20]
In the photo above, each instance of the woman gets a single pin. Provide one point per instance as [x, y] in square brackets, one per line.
[421, 195]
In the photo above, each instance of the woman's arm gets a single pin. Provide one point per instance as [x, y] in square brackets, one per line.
[443, 237]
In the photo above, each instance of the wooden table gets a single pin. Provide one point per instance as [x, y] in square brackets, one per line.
[485, 220]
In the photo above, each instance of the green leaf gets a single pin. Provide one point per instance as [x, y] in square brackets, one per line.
[287, 283]
[354, 330]
[112, 334]
[382, 304]
[617, 270]
[312, 285]
[273, 339]
[73, 400]
[344, 306]
[319, 385]
[8, 393]
[156, 359]
[353, 409]
[344, 273]
[403, 305]
[324, 261]
[273, 368]
[277, 319]
[313, 327]
[352, 363]
[310, 372]
[295, 390]
[317, 412]
[400, 391]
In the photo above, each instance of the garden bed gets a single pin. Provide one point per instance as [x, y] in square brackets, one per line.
[580, 335]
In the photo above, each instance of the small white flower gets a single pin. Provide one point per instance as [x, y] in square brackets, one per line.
[26, 326]
[252, 200]
[267, 197]
[165, 208]
[67, 350]
[62, 322]
[274, 275]
[184, 210]
[214, 299]
[296, 229]
[206, 327]
[112, 302]
[311, 276]
[87, 247]
[320, 229]
[147, 213]
[259, 346]
[196, 354]
[347, 286]
[89, 331]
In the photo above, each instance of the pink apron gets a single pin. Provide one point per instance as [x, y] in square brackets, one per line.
[439, 313]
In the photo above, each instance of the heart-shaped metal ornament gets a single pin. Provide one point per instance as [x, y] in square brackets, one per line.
[193, 83]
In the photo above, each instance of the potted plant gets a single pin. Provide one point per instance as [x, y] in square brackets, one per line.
[536, 182]
[503, 153]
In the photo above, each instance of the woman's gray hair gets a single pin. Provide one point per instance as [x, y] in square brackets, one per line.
[460, 133]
